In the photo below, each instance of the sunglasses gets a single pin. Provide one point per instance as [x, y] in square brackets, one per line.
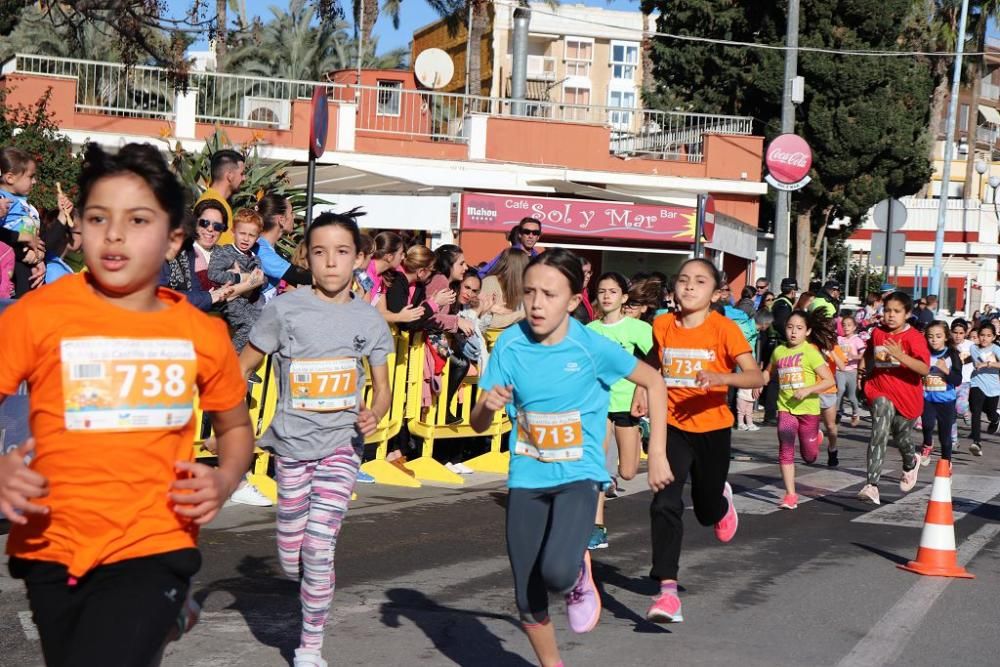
[211, 224]
[532, 232]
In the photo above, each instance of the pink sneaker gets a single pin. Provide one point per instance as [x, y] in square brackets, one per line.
[789, 502]
[665, 609]
[726, 528]
[925, 456]
[909, 477]
[583, 603]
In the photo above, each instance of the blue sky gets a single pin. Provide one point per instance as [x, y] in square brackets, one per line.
[414, 14]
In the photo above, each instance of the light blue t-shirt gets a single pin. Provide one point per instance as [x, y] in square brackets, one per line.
[987, 379]
[560, 406]
[56, 268]
[273, 265]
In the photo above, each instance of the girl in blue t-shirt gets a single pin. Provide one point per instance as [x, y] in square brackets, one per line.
[985, 391]
[553, 376]
[940, 390]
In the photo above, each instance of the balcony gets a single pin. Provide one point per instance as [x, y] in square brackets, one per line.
[155, 96]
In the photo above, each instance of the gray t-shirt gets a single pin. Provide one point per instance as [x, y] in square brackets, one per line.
[317, 349]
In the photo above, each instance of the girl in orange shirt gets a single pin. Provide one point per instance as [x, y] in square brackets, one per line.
[106, 500]
[697, 351]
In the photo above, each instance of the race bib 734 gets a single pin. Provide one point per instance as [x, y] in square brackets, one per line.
[127, 384]
[680, 367]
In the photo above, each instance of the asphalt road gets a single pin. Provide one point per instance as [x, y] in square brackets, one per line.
[423, 579]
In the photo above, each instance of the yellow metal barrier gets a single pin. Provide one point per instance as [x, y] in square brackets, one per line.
[392, 422]
[432, 424]
[493, 461]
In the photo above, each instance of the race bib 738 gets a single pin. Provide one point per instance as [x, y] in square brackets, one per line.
[127, 384]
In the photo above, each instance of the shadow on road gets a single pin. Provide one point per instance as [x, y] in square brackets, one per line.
[278, 622]
[609, 575]
[458, 634]
[898, 560]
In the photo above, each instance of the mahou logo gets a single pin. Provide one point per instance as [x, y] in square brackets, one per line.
[788, 158]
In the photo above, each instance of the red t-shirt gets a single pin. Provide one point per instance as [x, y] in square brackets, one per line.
[891, 379]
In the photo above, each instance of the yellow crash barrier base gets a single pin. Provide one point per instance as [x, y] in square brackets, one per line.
[642, 455]
[497, 463]
[354, 496]
[428, 470]
[386, 473]
[265, 485]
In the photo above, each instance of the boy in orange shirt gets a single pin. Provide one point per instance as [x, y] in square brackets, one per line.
[106, 500]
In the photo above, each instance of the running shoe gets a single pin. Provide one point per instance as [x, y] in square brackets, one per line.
[365, 478]
[993, 427]
[666, 608]
[726, 528]
[248, 494]
[869, 493]
[308, 657]
[742, 427]
[976, 449]
[789, 502]
[598, 538]
[583, 603]
[909, 478]
[925, 456]
[613, 491]
[753, 427]
[833, 458]
[253, 378]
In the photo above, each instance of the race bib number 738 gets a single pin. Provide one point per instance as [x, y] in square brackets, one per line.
[127, 384]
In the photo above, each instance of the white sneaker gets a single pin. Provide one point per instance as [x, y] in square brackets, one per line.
[463, 469]
[308, 657]
[248, 494]
[742, 427]
[452, 467]
[753, 427]
[909, 477]
[869, 493]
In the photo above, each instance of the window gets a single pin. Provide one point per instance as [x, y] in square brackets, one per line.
[624, 58]
[579, 55]
[963, 118]
[577, 103]
[623, 99]
[389, 94]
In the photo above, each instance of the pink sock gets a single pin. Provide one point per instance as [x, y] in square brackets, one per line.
[668, 587]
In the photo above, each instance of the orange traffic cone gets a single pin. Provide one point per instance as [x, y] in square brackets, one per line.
[936, 556]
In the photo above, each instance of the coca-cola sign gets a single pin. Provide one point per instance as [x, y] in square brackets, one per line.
[788, 159]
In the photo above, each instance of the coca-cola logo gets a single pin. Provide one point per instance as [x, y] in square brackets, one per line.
[788, 158]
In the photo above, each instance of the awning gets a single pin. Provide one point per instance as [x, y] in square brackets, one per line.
[608, 194]
[991, 115]
[339, 179]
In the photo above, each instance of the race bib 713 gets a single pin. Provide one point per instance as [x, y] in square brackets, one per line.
[127, 384]
[550, 436]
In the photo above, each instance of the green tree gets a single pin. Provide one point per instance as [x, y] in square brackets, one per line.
[37, 33]
[32, 129]
[293, 45]
[864, 117]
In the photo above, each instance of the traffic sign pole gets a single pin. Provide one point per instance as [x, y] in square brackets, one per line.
[699, 225]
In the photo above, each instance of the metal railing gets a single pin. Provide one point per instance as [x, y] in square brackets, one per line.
[385, 109]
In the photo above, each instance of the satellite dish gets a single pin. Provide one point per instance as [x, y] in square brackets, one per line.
[434, 68]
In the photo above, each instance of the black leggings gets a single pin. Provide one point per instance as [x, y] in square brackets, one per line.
[978, 404]
[943, 415]
[706, 457]
[547, 534]
[117, 615]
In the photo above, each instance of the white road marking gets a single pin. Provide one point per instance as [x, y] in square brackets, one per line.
[30, 631]
[765, 499]
[887, 638]
[967, 493]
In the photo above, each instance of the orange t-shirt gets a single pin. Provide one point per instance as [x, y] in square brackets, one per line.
[111, 394]
[713, 346]
[836, 352]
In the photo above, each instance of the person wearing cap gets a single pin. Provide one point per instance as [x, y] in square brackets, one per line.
[828, 299]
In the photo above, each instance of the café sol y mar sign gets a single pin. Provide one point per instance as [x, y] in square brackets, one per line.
[580, 217]
[788, 159]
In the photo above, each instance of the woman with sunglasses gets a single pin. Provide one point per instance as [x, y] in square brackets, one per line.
[210, 222]
[179, 273]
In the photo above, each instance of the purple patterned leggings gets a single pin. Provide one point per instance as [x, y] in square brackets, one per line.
[312, 500]
[807, 428]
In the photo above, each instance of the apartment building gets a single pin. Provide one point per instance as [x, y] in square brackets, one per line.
[579, 56]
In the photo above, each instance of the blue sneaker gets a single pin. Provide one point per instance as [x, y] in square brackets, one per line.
[365, 478]
[598, 538]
